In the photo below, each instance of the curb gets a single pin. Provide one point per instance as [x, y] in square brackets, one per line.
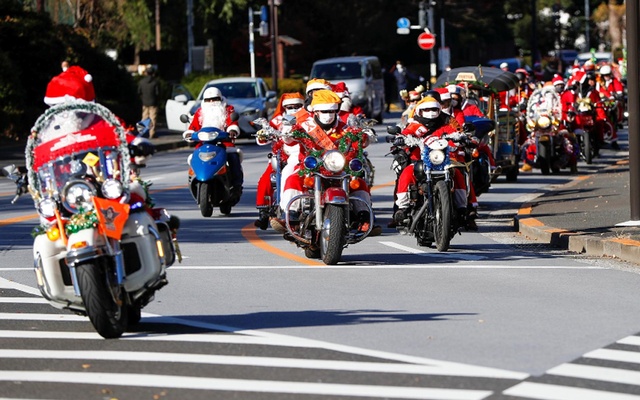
[576, 242]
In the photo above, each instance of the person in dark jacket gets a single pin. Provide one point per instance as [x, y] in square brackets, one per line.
[149, 92]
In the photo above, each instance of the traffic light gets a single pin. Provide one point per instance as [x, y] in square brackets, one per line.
[263, 28]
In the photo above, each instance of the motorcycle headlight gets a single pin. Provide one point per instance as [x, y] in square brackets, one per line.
[544, 122]
[206, 156]
[310, 162]
[112, 189]
[334, 161]
[355, 165]
[47, 207]
[207, 136]
[78, 195]
[436, 157]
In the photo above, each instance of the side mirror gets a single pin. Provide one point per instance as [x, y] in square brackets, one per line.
[393, 130]
[234, 116]
[184, 118]
[181, 98]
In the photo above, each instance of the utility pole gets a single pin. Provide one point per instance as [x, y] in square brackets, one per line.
[189, 67]
[157, 12]
[274, 43]
[424, 20]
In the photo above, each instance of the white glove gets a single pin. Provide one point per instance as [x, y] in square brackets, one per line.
[186, 135]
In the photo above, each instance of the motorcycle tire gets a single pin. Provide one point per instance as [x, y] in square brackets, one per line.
[332, 234]
[134, 315]
[108, 318]
[225, 208]
[587, 147]
[544, 159]
[443, 218]
[204, 200]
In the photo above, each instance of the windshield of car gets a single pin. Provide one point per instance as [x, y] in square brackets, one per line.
[237, 90]
[337, 71]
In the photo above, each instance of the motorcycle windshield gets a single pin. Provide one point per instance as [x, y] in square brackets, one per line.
[76, 140]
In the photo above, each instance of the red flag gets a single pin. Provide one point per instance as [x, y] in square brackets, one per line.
[112, 216]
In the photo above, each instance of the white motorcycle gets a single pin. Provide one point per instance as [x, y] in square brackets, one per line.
[100, 250]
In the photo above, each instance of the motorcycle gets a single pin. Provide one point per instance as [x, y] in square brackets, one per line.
[209, 172]
[327, 220]
[19, 176]
[476, 152]
[100, 249]
[432, 217]
[582, 122]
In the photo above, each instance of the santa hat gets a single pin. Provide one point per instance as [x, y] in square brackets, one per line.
[315, 84]
[73, 84]
[557, 80]
[427, 102]
[288, 99]
[504, 65]
[414, 95]
[340, 89]
[324, 100]
[444, 93]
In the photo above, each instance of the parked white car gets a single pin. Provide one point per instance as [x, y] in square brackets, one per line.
[250, 97]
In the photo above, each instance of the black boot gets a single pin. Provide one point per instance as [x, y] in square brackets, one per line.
[235, 194]
[472, 214]
[263, 219]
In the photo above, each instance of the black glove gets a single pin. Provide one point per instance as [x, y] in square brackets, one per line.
[393, 130]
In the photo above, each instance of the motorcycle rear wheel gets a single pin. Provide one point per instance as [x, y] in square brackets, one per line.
[332, 234]
[108, 318]
[204, 200]
[443, 217]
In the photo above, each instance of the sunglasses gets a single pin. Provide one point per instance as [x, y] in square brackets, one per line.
[328, 111]
[293, 106]
[211, 99]
[431, 109]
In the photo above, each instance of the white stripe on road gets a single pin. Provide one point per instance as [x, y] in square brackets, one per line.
[7, 284]
[532, 390]
[423, 253]
[632, 340]
[24, 300]
[614, 355]
[42, 317]
[268, 362]
[381, 267]
[242, 385]
[597, 373]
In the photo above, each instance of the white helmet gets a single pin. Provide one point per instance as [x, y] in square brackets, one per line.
[605, 70]
[212, 92]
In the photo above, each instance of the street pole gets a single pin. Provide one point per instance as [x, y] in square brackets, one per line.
[252, 53]
[534, 32]
[586, 23]
[189, 35]
[633, 87]
[274, 32]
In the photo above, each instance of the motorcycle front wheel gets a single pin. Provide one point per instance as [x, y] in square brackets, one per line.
[587, 147]
[332, 234]
[204, 200]
[444, 212]
[107, 317]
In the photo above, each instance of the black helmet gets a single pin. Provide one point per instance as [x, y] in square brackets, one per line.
[433, 93]
[590, 75]
[521, 76]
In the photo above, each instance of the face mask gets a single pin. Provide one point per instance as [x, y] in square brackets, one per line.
[454, 103]
[430, 114]
[326, 118]
[290, 111]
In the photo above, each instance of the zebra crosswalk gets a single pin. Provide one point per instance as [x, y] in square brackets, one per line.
[47, 353]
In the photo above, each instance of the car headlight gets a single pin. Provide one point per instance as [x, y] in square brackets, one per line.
[205, 136]
[112, 189]
[436, 157]
[310, 162]
[334, 161]
[207, 156]
[355, 165]
[47, 207]
[78, 195]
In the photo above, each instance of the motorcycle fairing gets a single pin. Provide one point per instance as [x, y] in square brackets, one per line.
[216, 160]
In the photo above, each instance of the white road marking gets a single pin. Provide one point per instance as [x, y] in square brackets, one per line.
[614, 355]
[42, 317]
[381, 267]
[430, 254]
[7, 284]
[632, 340]
[275, 362]
[532, 390]
[242, 385]
[615, 375]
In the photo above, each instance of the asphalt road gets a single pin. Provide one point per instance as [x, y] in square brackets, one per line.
[246, 315]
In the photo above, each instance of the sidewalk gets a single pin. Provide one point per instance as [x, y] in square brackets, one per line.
[581, 216]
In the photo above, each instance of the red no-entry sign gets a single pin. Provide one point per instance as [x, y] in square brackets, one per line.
[426, 41]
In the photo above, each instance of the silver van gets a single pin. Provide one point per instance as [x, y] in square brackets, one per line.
[363, 77]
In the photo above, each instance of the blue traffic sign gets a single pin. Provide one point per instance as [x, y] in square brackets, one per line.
[403, 23]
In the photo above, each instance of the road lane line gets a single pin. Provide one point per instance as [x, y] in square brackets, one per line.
[24, 300]
[614, 355]
[614, 375]
[243, 385]
[532, 390]
[632, 340]
[43, 317]
[16, 220]
[249, 233]
[267, 362]
[423, 253]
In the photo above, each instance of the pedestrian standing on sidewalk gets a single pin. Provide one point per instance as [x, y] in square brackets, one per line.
[149, 92]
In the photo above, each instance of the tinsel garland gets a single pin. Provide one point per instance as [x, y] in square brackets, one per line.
[148, 200]
[80, 221]
[74, 105]
[38, 230]
[345, 144]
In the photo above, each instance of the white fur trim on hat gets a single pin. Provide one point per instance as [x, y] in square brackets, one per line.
[294, 100]
[428, 104]
[326, 106]
[317, 85]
